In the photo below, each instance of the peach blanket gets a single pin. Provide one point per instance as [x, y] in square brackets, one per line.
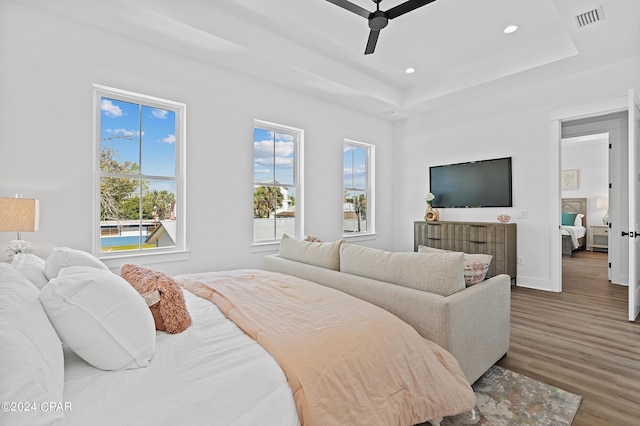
[346, 360]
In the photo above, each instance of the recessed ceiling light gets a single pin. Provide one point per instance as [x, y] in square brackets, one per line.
[410, 70]
[510, 29]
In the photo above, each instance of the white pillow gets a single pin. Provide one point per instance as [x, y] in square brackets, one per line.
[32, 267]
[31, 360]
[101, 317]
[578, 221]
[63, 257]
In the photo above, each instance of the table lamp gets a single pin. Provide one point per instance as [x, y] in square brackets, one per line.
[19, 215]
[603, 204]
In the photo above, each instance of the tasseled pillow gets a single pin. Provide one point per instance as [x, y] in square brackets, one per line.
[163, 296]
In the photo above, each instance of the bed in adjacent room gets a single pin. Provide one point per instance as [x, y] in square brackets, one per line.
[574, 225]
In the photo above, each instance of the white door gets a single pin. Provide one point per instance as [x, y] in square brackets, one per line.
[634, 206]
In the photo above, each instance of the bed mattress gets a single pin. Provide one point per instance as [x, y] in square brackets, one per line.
[579, 231]
[210, 374]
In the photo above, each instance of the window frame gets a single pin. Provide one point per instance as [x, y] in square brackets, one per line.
[369, 187]
[147, 255]
[298, 176]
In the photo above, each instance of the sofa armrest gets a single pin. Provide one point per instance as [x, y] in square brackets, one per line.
[479, 324]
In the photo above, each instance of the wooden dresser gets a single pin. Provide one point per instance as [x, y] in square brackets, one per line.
[496, 239]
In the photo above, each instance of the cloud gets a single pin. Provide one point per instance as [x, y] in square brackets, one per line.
[169, 139]
[110, 110]
[124, 132]
[159, 113]
[265, 150]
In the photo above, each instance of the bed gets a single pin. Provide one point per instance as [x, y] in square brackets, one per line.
[574, 236]
[262, 348]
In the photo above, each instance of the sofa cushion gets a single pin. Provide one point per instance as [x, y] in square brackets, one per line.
[476, 265]
[325, 255]
[439, 273]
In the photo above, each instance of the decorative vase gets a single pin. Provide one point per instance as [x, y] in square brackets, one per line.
[431, 215]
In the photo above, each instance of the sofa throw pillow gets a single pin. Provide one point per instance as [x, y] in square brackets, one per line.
[324, 255]
[63, 257]
[32, 267]
[163, 296]
[476, 266]
[100, 317]
[439, 273]
[31, 360]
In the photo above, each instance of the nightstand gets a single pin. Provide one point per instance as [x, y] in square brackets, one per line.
[599, 237]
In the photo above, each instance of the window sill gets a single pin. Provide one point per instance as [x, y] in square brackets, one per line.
[116, 261]
[271, 246]
[360, 237]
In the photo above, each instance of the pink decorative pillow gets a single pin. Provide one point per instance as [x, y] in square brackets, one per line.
[163, 296]
[476, 266]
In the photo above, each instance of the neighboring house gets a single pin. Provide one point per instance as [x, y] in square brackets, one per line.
[164, 235]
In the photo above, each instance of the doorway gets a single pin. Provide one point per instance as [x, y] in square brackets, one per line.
[592, 149]
[585, 166]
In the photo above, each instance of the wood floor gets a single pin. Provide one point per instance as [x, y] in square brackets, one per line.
[581, 341]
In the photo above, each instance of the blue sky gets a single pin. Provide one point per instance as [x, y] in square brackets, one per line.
[264, 142]
[120, 120]
[355, 169]
[126, 128]
[273, 147]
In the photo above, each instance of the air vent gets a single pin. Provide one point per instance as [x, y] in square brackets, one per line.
[590, 17]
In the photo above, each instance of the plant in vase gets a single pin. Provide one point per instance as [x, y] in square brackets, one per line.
[431, 214]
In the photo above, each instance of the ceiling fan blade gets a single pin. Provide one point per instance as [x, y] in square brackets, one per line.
[371, 43]
[405, 7]
[351, 7]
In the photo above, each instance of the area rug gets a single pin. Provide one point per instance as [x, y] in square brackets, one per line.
[508, 398]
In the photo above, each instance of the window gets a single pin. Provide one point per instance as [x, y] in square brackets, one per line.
[357, 201]
[277, 194]
[140, 186]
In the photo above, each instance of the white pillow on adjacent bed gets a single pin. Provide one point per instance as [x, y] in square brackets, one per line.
[32, 267]
[101, 317]
[578, 221]
[63, 257]
[31, 361]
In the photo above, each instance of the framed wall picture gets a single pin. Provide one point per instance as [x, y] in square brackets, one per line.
[569, 179]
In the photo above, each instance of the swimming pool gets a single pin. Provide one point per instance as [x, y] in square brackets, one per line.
[121, 241]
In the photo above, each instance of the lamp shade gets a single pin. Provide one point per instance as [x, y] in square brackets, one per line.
[19, 214]
[602, 203]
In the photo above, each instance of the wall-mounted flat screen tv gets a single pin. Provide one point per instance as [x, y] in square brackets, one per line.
[485, 183]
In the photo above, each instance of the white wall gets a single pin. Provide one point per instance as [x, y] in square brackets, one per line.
[48, 68]
[591, 159]
[515, 124]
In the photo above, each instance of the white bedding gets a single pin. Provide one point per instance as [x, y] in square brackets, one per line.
[210, 374]
[575, 232]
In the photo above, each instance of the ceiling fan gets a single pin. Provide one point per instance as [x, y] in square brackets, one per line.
[379, 19]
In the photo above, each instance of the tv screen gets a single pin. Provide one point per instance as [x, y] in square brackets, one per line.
[484, 183]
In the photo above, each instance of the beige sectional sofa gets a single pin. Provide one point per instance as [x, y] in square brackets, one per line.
[426, 290]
